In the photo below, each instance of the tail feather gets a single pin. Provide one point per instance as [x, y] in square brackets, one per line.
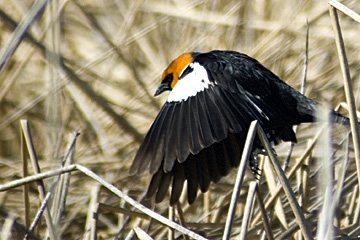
[338, 118]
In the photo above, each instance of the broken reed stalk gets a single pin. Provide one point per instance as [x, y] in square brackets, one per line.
[25, 186]
[273, 183]
[305, 178]
[344, 161]
[248, 209]
[171, 214]
[38, 215]
[266, 223]
[36, 177]
[341, 7]
[347, 86]
[289, 175]
[139, 206]
[141, 234]
[300, 218]
[239, 178]
[62, 181]
[109, 208]
[294, 227]
[92, 216]
[181, 218]
[41, 187]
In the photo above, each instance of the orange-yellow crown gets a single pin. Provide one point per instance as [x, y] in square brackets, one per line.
[177, 66]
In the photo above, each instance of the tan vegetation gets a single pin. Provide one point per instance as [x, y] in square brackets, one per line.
[92, 67]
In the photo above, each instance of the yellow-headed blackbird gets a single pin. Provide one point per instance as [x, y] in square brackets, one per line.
[199, 133]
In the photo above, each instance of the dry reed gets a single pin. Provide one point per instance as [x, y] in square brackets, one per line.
[91, 67]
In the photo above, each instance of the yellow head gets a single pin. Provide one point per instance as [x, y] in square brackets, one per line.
[170, 76]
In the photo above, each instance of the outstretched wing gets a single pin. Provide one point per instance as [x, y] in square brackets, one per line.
[195, 132]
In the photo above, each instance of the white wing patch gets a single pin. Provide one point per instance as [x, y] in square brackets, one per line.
[188, 86]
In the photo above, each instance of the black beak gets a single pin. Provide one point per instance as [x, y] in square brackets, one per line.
[164, 86]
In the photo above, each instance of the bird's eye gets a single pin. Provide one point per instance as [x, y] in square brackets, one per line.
[186, 71]
[169, 78]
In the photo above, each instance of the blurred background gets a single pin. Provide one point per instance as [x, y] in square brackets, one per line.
[109, 59]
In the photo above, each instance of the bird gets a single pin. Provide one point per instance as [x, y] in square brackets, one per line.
[199, 134]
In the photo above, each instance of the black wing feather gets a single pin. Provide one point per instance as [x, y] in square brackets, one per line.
[157, 153]
[237, 143]
[196, 140]
[184, 132]
[192, 178]
[203, 122]
[154, 184]
[232, 122]
[212, 165]
[203, 172]
[171, 138]
[146, 153]
[163, 187]
[216, 120]
[178, 183]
